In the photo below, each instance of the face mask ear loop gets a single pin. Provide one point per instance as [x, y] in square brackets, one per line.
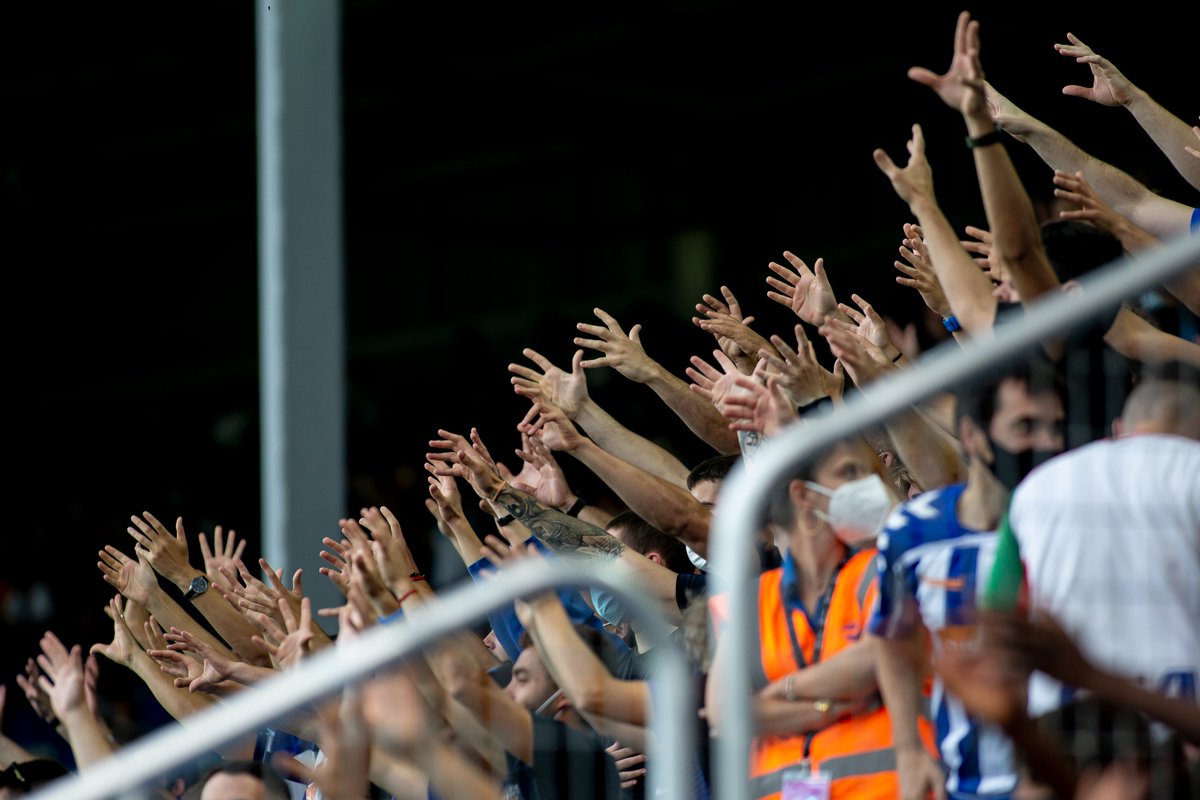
[549, 702]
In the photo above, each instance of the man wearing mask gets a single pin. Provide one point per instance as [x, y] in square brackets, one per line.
[935, 555]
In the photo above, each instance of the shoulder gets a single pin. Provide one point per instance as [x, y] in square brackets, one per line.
[924, 518]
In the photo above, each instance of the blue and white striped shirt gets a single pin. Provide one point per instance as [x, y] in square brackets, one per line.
[933, 570]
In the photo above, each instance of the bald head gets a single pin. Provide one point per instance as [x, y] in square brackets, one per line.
[1162, 405]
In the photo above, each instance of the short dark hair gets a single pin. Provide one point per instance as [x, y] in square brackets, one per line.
[274, 786]
[711, 469]
[1075, 247]
[977, 401]
[644, 538]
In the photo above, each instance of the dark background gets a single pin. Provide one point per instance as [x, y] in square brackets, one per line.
[505, 172]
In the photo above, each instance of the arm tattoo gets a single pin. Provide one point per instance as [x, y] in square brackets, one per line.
[567, 536]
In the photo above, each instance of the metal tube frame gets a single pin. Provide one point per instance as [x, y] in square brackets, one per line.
[744, 494]
[328, 672]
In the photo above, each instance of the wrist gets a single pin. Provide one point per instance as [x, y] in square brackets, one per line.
[1137, 100]
[980, 123]
[183, 581]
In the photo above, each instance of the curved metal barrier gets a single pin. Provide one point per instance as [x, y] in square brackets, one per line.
[328, 672]
[744, 494]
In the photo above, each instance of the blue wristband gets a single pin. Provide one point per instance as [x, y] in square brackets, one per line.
[951, 323]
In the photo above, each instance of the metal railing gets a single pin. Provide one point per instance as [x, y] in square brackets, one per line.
[744, 495]
[672, 721]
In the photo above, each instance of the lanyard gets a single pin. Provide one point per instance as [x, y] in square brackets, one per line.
[818, 628]
[817, 624]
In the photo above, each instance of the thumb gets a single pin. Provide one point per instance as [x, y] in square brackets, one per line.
[884, 161]
[298, 581]
[577, 363]
[925, 77]
[179, 532]
[102, 649]
[839, 370]
[1077, 91]
[635, 334]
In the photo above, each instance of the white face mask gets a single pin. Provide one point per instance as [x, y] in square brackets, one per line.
[857, 509]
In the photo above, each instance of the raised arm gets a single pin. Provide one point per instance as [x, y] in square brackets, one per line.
[570, 389]
[1016, 238]
[967, 290]
[666, 506]
[63, 681]
[1076, 189]
[135, 580]
[1110, 88]
[568, 537]
[168, 554]
[1157, 214]
[724, 320]
[624, 353]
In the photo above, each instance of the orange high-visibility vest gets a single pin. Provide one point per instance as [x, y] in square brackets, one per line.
[856, 753]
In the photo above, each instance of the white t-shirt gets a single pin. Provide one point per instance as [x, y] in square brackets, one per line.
[1110, 539]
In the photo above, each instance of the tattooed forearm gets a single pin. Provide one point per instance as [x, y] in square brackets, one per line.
[567, 536]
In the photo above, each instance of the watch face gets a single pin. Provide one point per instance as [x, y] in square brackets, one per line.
[199, 584]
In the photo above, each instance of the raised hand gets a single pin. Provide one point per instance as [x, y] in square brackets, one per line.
[622, 352]
[445, 503]
[37, 697]
[62, 679]
[864, 361]
[225, 551]
[914, 181]
[1109, 87]
[250, 596]
[552, 489]
[123, 647]
[278, 591]
[166, 553]
[338, 570]
[961, 86]
[389, 547]
[1074, 188]
[807, 292]
[918, 271]
[293, 639]
[980, 245]
[567, 390]
[870, 326]
[460, 460]
[214, 667]
[551, 425]
[711, 384]
[800, 374]
[725, 322]
[133, 579]
[767, 409]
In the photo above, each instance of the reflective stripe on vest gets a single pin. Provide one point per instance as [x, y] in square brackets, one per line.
[836, 768]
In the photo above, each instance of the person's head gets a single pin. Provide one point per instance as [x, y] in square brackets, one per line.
[243, 780]
[802, 504]
[1075, 248]
[1167, 402]
[642, 537]
[1012, 421]
[705, 479]
[26, 777]
[531, 685]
